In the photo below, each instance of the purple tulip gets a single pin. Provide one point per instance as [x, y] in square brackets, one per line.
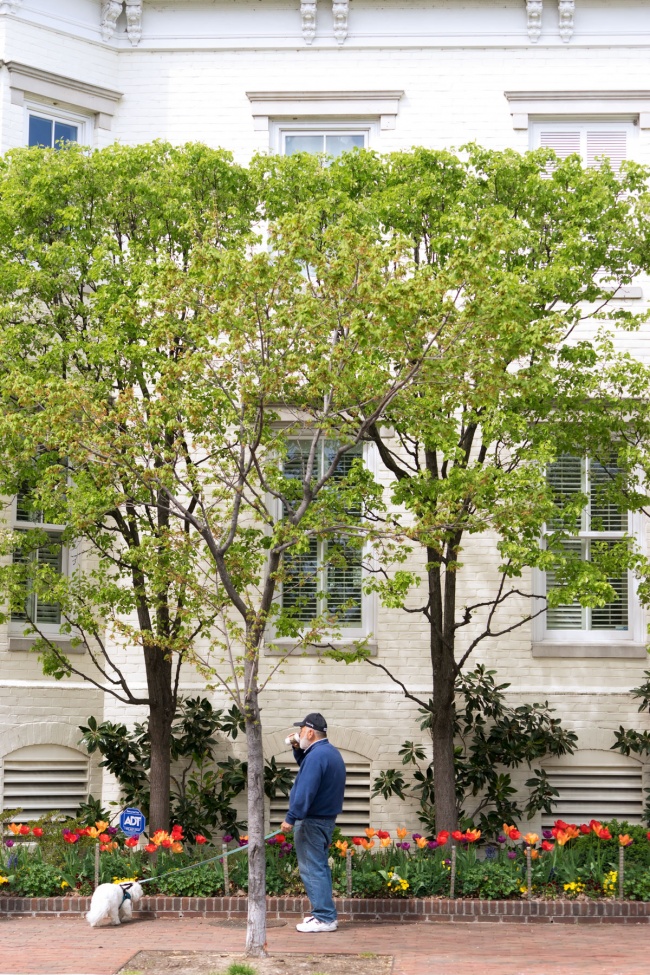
[406, 846]
[65, 831]
[242, 842]
[417, 836]
[547, 834]
[432, 844]
[287, 847]
[9, 842]
[112, 830]
[501, 838]
[512, 854]
[227, 838]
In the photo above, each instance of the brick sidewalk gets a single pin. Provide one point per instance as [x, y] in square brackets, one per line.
[67, 946]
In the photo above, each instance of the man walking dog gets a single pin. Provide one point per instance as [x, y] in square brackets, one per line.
[315, 801]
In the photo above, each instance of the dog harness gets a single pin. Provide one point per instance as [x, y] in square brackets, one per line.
[125, 894]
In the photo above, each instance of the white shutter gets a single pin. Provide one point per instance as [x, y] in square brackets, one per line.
[41, 778]
[563, 142]
[611, 143]
[355, 817]
[596, 793]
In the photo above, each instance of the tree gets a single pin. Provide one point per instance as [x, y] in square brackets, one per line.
[82, 238]
[522, 251]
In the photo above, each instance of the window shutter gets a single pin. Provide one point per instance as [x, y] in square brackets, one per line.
[604, 516]
[566, 616]
[51, 555]
[41, 778]
[596, 793]
[344, 583]
[300, 586]
[611, 143]
[561, 141]
[565, 479]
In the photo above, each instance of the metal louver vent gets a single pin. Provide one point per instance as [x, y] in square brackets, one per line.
[611, 144]
[596, 793]
[43, 783]
[356, 804]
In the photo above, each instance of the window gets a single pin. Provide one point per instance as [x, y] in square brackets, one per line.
[330, 142]
[51, 131]
[591, 140]
[600, 522]
[40, 779]
[52, 553]
[327, 578]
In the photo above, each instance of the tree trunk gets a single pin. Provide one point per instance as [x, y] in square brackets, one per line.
[256, 930]
[442, 610]
[161, 717]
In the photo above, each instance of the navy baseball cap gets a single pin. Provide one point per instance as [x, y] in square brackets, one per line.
[313, 720]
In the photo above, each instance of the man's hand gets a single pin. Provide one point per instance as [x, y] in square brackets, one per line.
[286, 827]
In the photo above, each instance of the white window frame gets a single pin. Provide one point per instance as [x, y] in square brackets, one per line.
[593, 643]
[345, 635]
[17, 627]
[582, 123]
[279, 130]
[57, 114]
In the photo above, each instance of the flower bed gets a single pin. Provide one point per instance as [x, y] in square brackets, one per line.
[582, 863]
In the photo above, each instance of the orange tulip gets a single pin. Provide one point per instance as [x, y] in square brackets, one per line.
[625, 840]
[472, 835]
[532, 839]
[370, 832]
[420, 842]
[534, 854]
[101, 825]
[93, 832]
[387, 842]
[15, 828]
[402, 833]
[177, 847]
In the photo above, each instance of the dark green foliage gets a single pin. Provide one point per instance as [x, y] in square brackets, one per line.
[492, 737]
[203, 791]
[38, 879]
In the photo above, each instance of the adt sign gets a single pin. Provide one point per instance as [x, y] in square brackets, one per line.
[132, 822]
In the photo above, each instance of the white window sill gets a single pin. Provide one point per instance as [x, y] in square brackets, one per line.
[282, 647]
[577, 650]
[27, 642]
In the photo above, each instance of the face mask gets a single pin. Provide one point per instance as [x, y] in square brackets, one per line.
[304, 742]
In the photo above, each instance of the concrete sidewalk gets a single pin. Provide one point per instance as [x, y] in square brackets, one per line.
[68, 946]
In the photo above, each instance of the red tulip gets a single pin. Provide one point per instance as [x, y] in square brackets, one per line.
[382, 834]
[71, 837]
[357, 841]
[546, 846]
[442, 837]
[37, 831]
[457, 835]
[201, 839]
[603, 833]
[24, 830]
[131, 841]
[166, 843]
[584, 829]
[151, 848]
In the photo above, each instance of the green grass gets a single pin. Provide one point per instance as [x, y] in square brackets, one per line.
[237, 968]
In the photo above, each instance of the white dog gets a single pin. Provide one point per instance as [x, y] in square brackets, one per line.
[114, 901]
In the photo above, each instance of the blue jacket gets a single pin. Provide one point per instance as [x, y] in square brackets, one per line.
[320, 783]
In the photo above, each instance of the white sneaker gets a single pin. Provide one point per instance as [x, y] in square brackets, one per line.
[311, 925]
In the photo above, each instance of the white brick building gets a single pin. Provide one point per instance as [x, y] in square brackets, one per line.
[250, 75]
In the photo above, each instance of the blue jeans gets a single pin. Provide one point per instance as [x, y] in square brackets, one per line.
[312, 838]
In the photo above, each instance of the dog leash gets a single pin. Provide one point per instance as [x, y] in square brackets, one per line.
[201, 863]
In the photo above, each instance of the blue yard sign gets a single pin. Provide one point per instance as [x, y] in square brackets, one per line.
[132, 822]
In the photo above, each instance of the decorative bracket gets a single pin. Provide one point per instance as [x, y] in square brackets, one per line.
[566, 10]
[134, 20]
[340, 10]
[9, 6]
[111, 10]
[308, 14]
[534, 12]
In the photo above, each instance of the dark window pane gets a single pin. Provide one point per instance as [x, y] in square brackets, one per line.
[64, 133]
[40, 131]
